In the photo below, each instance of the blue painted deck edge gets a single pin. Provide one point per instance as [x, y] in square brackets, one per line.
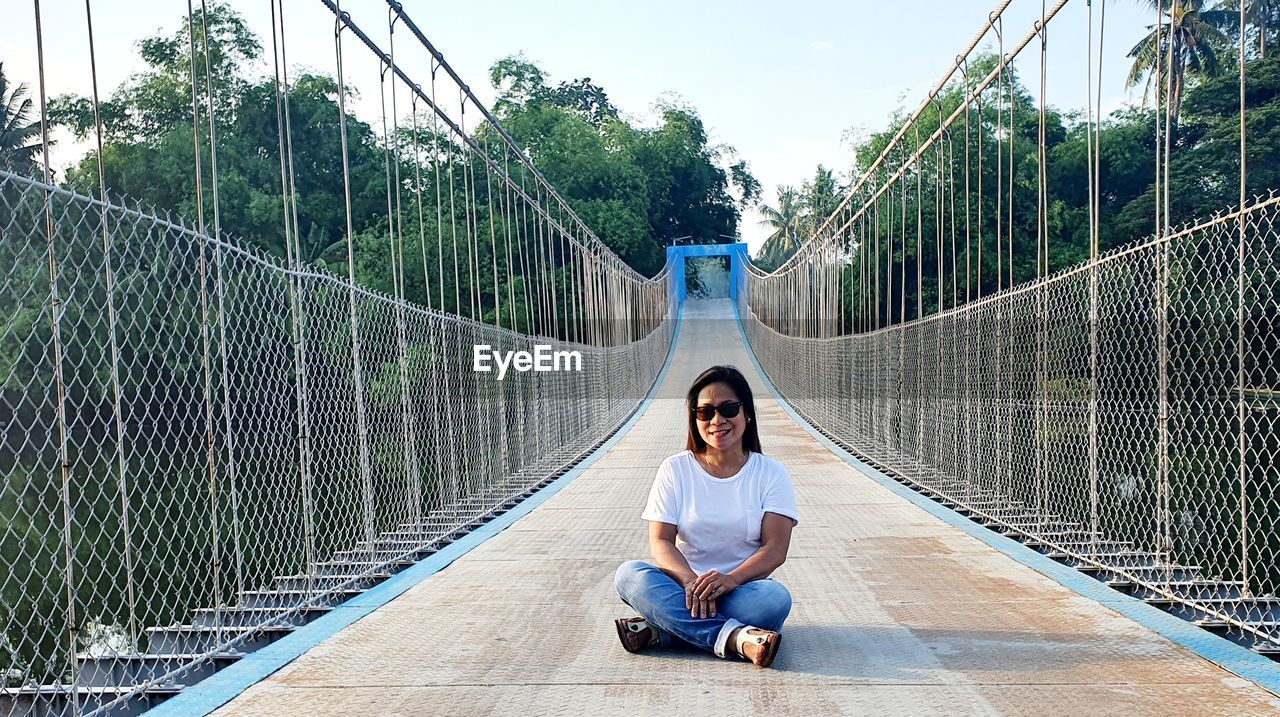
[223, 686]
[1238, 660]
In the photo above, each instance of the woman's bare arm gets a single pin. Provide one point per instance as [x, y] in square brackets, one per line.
[669, 559]
[665, 554]
[775, 540]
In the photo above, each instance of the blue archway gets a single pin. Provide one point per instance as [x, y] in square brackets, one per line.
[677, 255]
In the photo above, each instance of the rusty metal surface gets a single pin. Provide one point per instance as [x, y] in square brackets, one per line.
[895, 612]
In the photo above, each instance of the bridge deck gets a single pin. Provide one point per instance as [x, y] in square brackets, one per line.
[895, 611]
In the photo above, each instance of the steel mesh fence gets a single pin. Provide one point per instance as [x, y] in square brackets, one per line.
[216, 481]
[1123, 414]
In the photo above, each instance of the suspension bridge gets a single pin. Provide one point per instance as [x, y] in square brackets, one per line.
[234, 481]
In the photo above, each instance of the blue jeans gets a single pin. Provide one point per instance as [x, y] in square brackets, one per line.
[660, 600]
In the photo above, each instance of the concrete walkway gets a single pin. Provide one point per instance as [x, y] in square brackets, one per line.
[895, 611]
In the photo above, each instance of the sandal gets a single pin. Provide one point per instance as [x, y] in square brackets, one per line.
[766, 642]
[636, 633]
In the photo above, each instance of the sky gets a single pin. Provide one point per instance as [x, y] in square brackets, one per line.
[787, 85]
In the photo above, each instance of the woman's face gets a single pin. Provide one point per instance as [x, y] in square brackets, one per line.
[720, 432]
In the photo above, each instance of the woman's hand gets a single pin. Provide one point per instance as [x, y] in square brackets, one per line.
[701, 608]
[698, 607]
[711, 585]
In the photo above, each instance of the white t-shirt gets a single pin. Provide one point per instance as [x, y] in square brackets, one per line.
[718, 519]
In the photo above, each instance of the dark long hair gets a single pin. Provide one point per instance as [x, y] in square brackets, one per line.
[736, 381]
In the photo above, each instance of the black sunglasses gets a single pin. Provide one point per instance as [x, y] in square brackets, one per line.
[728, 409]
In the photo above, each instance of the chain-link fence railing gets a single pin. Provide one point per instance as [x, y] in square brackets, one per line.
[1124, 415]
[200, 446]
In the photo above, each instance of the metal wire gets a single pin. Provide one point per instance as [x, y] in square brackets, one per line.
[1222, 566]
[157, 298]
[202, 445]
[1121, 414]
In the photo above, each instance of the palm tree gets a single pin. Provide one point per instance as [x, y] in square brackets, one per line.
[784, 220]
[1185, 43]
[819, 196]
[19, 140]
[1264, 15]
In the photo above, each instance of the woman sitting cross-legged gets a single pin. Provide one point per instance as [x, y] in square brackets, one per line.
[720, 517]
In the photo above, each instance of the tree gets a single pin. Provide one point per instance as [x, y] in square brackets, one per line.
[148, 152]
[521, 83]
[798, 215]
[1264, 16]
[819, 197]
[784, 220]
[1184, 44]
[633, 186]
[1009, 249]
[688, 189]
[19, 137]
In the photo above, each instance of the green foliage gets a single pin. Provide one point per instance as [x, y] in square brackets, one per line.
[634, 187]
[149, 147]
[1185, 45]
[1204, 176]
[799, 213]
[1262, 25]
[19, 135]
[178, 303]
[641, 187]
[785, 221]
